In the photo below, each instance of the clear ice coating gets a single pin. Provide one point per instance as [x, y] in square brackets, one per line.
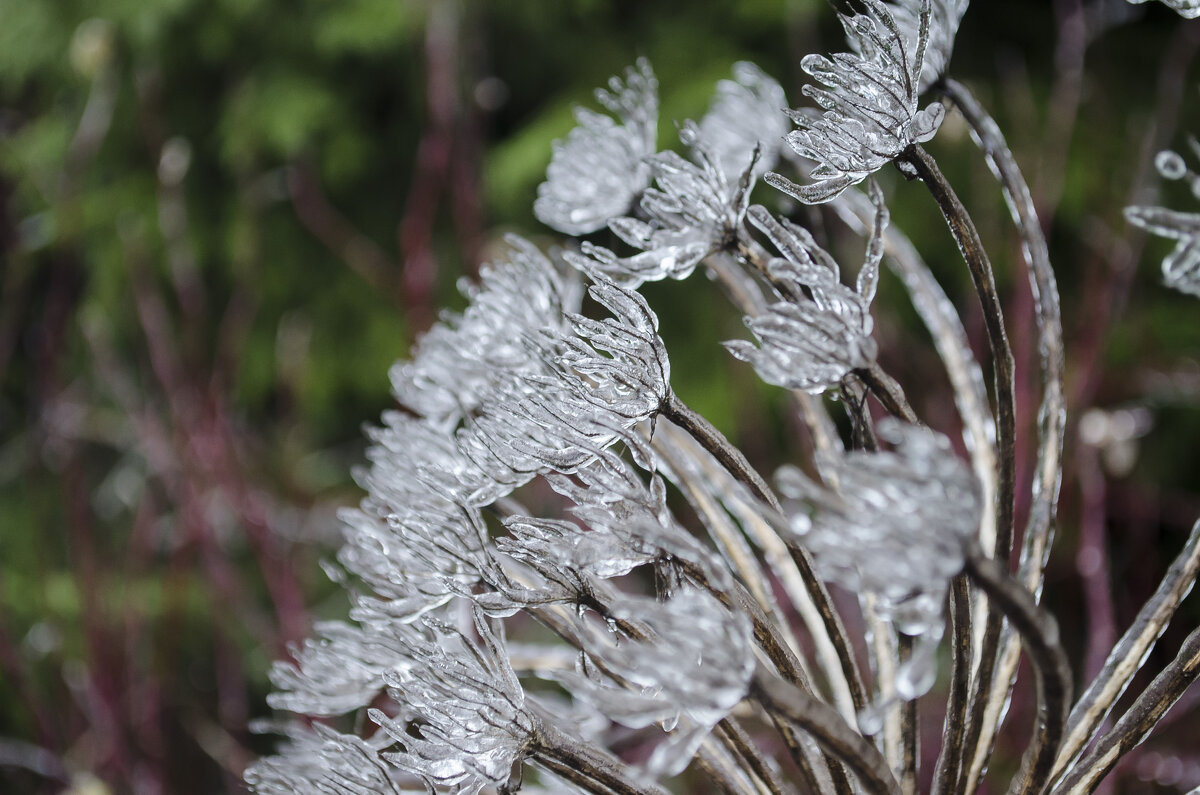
[1181, 268]
[1188, 9]
[746, 113]
[898, 525]
[318, 759]
[456, 362]
[868, 108]
[813, 341]
[598, 171]
[694, 667]
[944, 19]
[694, 210]
[465, 721]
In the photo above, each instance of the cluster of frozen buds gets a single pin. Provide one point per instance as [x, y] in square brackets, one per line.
[674, 610]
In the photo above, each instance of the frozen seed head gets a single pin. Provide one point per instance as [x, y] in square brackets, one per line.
[868, 104]
[318, 759]
[694, 209]
[898, 526]
[747, 113]
[691, 671]
[456, 363]
[815, 340]
[598, 171]
[465, 722]
[944, 19]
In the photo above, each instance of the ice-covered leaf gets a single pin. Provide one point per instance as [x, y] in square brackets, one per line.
[598, 171]
[898, 525]
[868, 106]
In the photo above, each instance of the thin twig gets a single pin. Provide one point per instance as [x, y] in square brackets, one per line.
[910, 725]
[950, 758]
[737, 740]
[586, 764]
[1052, 413]
[888, 391]
[715, 442]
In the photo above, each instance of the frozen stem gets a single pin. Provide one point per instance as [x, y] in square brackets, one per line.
[1052, 672]
[1129, 654]
[822, 721]
[1136, 724]
[971, 247]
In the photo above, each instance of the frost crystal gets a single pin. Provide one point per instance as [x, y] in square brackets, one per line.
[688, 675]
[1181, 268]
[471, 722]
[869, 109]
[598, 171]
[1189, 9]
[747, 112]
[812, 343]
[898, 525]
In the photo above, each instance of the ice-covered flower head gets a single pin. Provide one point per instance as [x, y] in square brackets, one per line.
[823, 332]
[869, 111]
[1181, 268]
[1188, 9]
[598, 171]
[747, 112]
[944, 18]
[897, 526]
[694, 210]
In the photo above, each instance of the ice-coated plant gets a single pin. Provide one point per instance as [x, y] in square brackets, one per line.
[869, 105]
[1181, 268]
[564, 579]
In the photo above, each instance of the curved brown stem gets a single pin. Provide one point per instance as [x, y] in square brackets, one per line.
[1136, 724]
[715, 442]
[1039, 632]
[822, 721]
[971, 247]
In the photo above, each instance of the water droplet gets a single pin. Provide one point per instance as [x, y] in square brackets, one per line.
[1170, 164]
[870, 718]
[916, 675]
